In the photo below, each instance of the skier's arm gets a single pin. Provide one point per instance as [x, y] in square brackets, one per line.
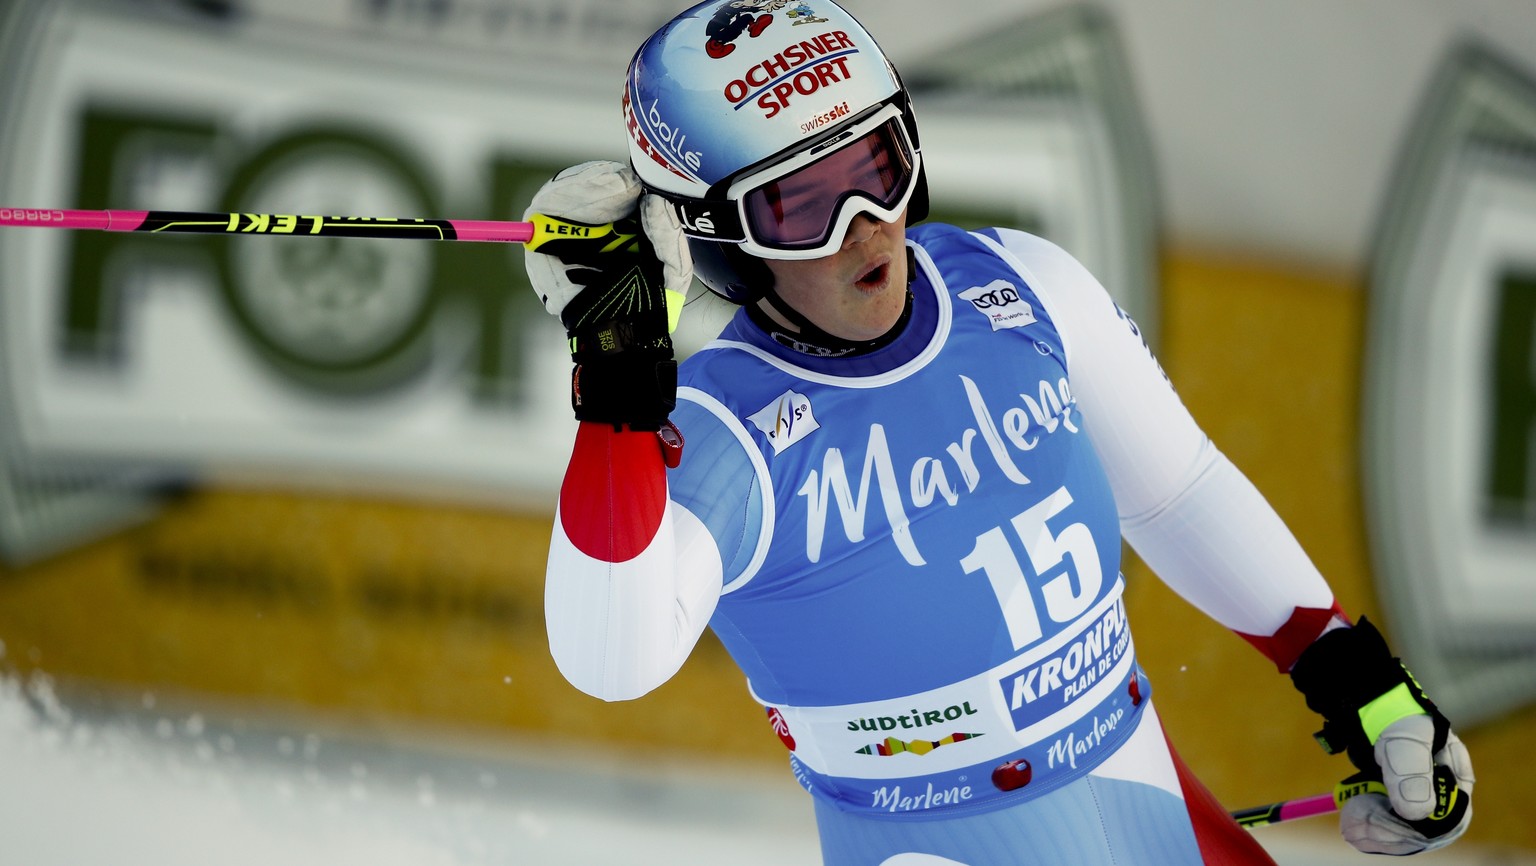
[631, 578]
[1210, 535]
[1191, 515]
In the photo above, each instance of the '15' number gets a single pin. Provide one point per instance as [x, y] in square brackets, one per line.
[1061, 559]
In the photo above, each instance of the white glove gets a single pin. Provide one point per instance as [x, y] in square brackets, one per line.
[603, 192]
[1377, 824]
[1374, 710]
[617, 283]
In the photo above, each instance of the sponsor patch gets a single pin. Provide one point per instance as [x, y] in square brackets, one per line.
[786, 420]
[1001, 303]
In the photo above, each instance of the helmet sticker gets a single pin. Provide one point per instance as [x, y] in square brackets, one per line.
[669, 148]
[735, 18]
[800, 69]
[751, 17]
[804, 14]
[831, 115]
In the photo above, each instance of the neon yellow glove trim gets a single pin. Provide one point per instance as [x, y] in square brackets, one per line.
[675, 302]
[1396, 704]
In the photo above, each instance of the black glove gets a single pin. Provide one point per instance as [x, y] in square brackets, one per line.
[1413, 791]
[594, 263]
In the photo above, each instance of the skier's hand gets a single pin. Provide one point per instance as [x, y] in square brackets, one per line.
[1411, 803]
[613, 265]
[1414, 789]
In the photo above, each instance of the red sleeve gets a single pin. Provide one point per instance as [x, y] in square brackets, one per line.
[614, 492]
[1305, 626]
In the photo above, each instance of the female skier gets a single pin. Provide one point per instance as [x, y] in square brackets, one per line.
[910, 459]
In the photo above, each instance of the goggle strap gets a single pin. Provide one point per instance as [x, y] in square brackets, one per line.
[706, 220]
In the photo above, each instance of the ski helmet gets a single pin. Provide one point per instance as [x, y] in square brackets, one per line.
[768, 125]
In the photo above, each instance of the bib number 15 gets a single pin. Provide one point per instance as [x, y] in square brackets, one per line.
[1066, 563]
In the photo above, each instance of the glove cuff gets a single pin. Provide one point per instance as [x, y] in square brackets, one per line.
[623, 375]
[638, 390]
[1350, 678]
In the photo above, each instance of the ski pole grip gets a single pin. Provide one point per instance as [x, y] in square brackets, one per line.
[581, 243]
[1451, 802]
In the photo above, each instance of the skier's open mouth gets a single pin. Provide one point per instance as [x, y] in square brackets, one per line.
[874, 278]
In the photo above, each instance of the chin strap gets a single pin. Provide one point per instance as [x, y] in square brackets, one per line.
[809, 339]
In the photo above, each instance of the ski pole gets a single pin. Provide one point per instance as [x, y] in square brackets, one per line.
[541, 233]
[1451, 803]
[1286, 810]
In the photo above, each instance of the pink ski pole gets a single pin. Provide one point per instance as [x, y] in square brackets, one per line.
[1286, 810]
[188, 222]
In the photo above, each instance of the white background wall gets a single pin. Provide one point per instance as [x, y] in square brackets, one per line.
[1275, 124]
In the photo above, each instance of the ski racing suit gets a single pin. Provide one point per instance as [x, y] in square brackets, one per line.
[914, 556]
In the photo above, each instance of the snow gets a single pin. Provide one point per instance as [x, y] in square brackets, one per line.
[176, 789]
[142, 782]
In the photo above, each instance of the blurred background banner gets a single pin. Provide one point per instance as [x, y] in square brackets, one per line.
[407, 368]
[310, 481]
[397, 365]
[337, 459]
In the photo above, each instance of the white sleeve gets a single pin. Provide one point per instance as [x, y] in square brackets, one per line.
[617, 630]
[629, 586]
[1190, 514]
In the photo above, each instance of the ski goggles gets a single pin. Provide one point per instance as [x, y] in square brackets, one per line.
[801, 207]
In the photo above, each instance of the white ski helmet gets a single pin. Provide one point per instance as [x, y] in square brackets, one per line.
[768, 125]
